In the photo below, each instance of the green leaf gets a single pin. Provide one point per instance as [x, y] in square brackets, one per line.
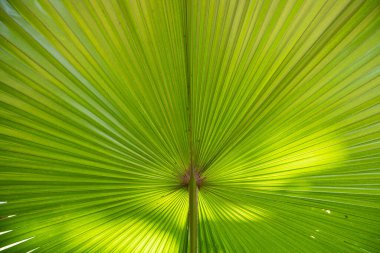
[106, 106]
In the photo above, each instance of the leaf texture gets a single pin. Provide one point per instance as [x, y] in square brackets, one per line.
[93, 126]
[285, 101]
[286, 123]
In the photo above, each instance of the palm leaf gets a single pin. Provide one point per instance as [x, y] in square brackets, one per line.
[107, 106]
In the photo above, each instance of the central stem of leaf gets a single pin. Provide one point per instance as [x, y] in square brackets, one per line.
[193, 175]
[193, 211]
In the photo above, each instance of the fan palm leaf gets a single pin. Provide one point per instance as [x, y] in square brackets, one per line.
[184, 126]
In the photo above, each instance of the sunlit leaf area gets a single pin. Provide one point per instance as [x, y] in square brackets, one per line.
[108, 107]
